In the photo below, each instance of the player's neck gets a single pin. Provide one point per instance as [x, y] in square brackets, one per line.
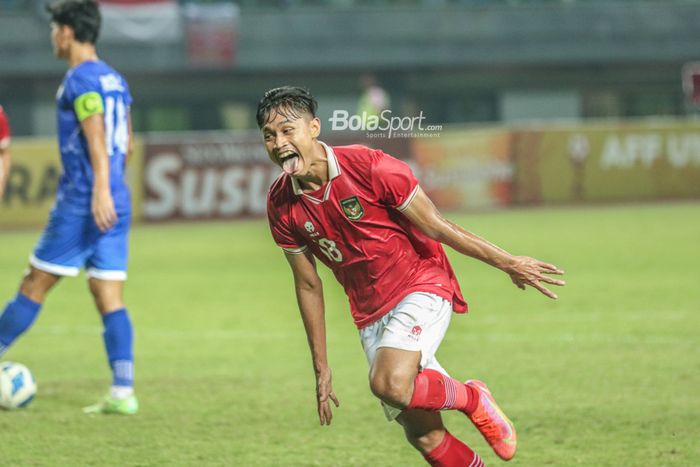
[317, 175]
[81, 52]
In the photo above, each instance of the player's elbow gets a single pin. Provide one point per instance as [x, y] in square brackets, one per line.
[308, 284]
[443, 236]
[436, 229]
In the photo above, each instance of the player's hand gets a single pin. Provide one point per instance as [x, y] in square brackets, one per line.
[103, 209]
[324, 392]
[530, 271]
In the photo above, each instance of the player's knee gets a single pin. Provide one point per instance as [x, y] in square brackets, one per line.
[425, 440]
[108, 305]
[391, 388]
[36, 284]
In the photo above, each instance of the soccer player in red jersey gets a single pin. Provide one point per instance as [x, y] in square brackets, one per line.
[5, 158]
[362, 213]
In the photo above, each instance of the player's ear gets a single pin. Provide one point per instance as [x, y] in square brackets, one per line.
[67, 32]
[315, 127]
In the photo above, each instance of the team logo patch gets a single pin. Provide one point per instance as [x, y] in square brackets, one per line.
[309, 227]
[352, 208]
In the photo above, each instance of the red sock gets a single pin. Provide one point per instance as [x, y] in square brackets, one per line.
[434, 391]
[451, 452]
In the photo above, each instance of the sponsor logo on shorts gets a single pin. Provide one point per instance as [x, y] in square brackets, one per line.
[415, 332]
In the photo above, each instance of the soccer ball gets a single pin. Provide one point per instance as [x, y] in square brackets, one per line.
[17, 386]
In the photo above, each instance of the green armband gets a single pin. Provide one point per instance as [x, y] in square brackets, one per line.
[88, 104]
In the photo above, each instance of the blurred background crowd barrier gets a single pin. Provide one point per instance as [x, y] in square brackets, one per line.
[536, 101]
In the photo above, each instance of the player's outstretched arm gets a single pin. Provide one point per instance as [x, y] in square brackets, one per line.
[309, 291]
[102, 203]
[523, 270]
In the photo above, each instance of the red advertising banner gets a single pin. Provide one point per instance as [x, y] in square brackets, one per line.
[206, 176]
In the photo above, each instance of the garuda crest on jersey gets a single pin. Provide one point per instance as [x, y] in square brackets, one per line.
[352, 208]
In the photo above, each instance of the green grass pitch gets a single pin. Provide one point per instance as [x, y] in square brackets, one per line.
[608, 375]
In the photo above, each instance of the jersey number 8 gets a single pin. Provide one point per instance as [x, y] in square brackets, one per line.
[329, 249]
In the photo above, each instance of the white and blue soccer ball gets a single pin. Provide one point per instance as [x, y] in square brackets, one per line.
[17, 386]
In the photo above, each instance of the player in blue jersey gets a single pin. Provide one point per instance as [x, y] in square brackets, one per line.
[89, 222]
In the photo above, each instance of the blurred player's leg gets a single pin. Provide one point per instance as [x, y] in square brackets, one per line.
[106, 270]
[425, 431]
[118, 340]
[22, 310]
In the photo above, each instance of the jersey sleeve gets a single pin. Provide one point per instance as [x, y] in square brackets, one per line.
[128, 99]
[281, 230]
[5, 132]
[85, 96]
[393, 181]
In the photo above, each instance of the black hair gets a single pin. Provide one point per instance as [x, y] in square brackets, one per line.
[290, 101]
[83, 16]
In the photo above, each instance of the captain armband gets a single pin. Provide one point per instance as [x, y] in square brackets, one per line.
[88, 104]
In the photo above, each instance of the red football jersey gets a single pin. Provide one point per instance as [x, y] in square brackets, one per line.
[354, 225]
[4, 130]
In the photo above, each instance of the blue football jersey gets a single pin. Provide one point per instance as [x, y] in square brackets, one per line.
[93, 79]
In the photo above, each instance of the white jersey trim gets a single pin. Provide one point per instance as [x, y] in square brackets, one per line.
[55, 269]
[406, 203]
[316, 200]
[296, 251]
[106, 275]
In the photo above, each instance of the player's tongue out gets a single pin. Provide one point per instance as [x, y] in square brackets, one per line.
[290, 164]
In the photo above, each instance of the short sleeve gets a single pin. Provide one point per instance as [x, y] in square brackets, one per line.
[393, 181]
[281, 230]
[77, 85]
[128, 100]
[84, 95]
[5, 132]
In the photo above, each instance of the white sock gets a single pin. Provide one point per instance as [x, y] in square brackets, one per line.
[121, 392]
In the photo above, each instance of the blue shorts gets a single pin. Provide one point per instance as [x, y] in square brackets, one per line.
[73, 241]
